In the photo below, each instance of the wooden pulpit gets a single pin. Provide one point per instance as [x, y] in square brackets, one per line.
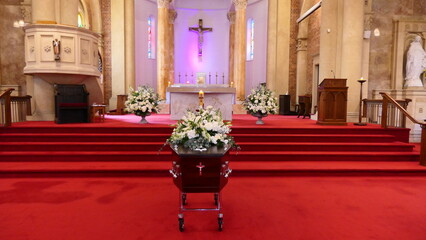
[332, 102]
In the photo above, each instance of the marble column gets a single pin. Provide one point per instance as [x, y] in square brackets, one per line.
[162, 44]
[129, 35]
[240, 47]
[171, 47]
[44, 11]
[231, 18]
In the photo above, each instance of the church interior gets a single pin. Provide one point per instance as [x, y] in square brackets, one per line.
[342, 156]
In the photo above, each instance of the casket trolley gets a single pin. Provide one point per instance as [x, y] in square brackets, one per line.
[200, 172]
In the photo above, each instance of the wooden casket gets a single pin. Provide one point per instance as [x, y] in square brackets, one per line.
[200, 171]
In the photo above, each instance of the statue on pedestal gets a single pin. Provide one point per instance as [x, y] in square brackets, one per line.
[416, 63]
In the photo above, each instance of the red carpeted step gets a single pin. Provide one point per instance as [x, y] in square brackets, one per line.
[83, 146]
[266, 168]
[313, 138]
[77, 137]
[325, 156]
[86, 156]
[326, 146]
[295, 168]
[83, 156]
[245, 146]
[71, 128]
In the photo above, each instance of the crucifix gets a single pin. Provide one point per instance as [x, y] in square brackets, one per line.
[200, 30]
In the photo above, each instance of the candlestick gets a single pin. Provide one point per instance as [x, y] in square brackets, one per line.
[179, 77]
[216, 77]
[360, 123]
[201, 98]
[169, 83]
[223, 78]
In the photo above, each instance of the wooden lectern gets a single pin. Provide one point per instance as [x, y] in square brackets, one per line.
[332, 102]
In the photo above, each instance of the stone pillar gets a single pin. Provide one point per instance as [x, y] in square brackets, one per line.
[240, 47]
[231, 18]
[352, 50]
[162, 44]
[171, 48]
[302, 63]
[44, 11]
[277, 78]
[69, 12]
[129, 35]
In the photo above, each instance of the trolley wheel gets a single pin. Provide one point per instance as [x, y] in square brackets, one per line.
[183, 198]
[220, 223]
[216, 199]
[181, 224]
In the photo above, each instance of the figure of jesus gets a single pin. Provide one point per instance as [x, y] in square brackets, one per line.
[200, 30]
[416, 63]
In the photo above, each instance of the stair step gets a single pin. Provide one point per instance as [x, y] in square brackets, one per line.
[313, 138]
[87, 137]
[85, 156]
[160, 169]
[245, 146]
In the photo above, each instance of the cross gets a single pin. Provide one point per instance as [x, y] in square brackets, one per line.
[200, 30]
[200, 166]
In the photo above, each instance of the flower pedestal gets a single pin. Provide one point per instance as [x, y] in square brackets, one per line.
[143, 116]
[259, 117]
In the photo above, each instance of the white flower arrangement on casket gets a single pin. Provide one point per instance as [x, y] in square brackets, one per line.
[142, 101]
[261, 101]
[200, 129]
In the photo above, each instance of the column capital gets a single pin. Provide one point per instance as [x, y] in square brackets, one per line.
[240, 4]
[231, 17]
[172, 16]
[163, 3]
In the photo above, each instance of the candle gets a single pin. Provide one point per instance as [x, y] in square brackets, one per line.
[169, 84]
[201, 93]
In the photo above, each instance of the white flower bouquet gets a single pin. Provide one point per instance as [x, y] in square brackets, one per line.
[200, 129]
[142, 102]
[261, 101]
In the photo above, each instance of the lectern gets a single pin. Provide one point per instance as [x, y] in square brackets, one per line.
[332, 101]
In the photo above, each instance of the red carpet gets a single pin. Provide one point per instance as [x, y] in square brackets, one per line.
[291, 208]
[284, 145]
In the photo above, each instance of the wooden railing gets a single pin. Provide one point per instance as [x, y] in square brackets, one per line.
[388, 100]
[5, 108]
[20, 108]
[372, 111]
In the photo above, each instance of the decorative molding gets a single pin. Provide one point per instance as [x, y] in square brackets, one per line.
[84, 51]
[367, 21]
[240, 4]
[47, 48]
[172, 16]
[67, 50]
[163, 3]
[32, 49]
[302, 44]
[231, 17]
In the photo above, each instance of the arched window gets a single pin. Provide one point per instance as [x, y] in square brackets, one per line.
[82, 20]
[250, 39]
[151, 37]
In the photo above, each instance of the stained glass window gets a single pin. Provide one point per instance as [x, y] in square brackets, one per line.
[150, 25]
[250, 39]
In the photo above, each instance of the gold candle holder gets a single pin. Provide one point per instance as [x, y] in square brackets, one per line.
[201, 98]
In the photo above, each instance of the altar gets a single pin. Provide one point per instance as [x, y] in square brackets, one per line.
[182, 97]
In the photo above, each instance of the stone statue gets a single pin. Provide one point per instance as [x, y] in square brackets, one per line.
[416, 63]
[57, 49]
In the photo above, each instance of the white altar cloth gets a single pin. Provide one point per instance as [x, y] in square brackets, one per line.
[182, 98]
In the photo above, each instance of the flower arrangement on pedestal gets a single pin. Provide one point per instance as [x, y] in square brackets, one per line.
[142, 102]
[200, 129]
[261, 102]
